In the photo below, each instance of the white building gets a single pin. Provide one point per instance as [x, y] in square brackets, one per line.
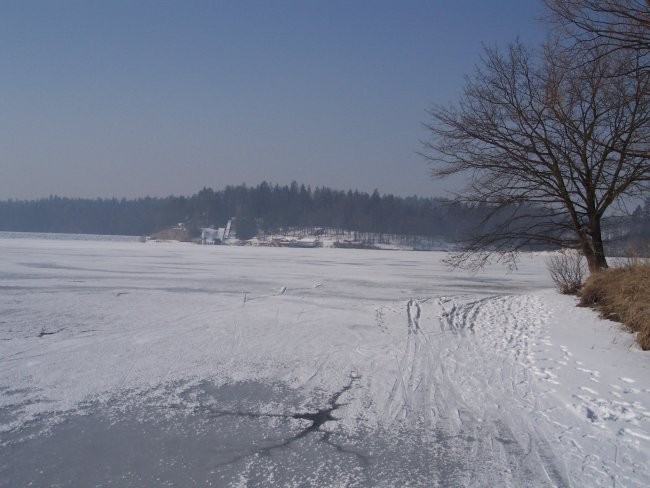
[215, 236]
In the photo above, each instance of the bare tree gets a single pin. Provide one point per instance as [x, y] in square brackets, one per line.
[549, 144]
[612, 24]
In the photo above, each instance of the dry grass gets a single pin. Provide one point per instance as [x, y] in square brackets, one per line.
[622, 294]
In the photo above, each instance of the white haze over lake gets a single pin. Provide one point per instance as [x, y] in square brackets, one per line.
[165, 363]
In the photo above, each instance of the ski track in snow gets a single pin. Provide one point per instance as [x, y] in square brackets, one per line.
[464, 372]
[491, 378]
[483, 372]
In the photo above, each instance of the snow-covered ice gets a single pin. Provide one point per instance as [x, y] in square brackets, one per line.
[138, 364]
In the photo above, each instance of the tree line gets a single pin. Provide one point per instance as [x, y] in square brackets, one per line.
[271, 207]
[274, 208]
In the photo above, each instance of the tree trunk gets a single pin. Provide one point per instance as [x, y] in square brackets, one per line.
[593, 248]
[600, 261]
[595, 261]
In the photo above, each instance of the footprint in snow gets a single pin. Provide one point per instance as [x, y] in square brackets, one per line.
[589, 390]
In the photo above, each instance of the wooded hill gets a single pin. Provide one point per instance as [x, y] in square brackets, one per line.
[271, 207]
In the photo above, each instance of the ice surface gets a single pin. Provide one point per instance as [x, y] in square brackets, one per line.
[165, 363]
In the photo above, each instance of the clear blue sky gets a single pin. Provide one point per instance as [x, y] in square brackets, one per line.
[140, 97]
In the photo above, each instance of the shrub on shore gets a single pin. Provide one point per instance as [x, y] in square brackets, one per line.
[567, 269]
[622, 294]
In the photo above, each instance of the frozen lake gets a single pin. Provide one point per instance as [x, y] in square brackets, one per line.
[168, 364]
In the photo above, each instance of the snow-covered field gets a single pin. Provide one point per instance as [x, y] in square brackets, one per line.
[166, 364]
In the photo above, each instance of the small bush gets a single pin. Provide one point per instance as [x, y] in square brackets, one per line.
[567, 269]
[622, 294]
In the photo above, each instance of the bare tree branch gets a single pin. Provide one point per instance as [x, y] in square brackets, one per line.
[549, 144]
[611, 24]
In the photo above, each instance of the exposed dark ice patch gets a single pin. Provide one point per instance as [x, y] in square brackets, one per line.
[258, 434]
